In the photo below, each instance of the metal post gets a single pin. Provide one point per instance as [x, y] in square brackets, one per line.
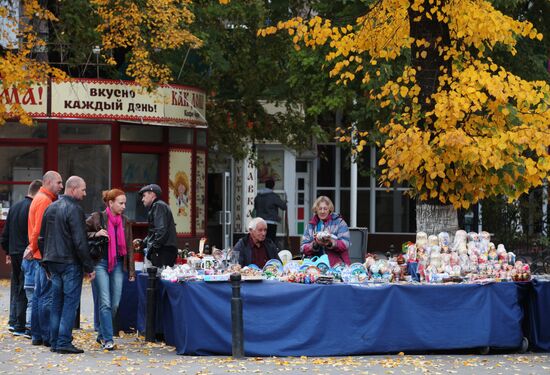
[151, 304]
[237, 341]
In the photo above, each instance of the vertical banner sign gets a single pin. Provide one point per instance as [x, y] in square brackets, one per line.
[180, 193]
[238, 202]
[200, 188]
[249, 192]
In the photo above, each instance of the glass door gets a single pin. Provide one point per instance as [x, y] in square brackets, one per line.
[138, 169]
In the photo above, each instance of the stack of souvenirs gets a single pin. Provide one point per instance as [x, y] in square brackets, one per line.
[471, 257]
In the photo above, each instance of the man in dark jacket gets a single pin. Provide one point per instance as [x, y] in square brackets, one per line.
[267, 204]
[255, 247]
[64, 246]
[161, 241]
[15, 240]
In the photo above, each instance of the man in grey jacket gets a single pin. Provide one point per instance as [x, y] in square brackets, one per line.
[267, 204]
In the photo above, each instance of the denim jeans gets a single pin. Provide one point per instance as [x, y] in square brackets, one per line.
[18, 300]
[66, 291]
[107, 289]
[30, 268]
[41, 305]
[28, 292]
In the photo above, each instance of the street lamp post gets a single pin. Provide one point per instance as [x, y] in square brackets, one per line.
[96, 50]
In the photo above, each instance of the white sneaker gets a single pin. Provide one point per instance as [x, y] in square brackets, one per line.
[109, 345]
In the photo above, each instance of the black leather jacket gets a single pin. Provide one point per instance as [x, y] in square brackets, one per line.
[162, 229]
[63, 237]
[15, 237]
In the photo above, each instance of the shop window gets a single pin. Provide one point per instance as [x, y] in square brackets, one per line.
[363, 207]
[363, 168]
[140, 133]
[18, 167]
[301, 166]
[201, 138]
[16, 130]
[92, 163]
[138, 170]
[80, 131]
[271, 165]
[395, 212]
[181, 136]
[326, 167]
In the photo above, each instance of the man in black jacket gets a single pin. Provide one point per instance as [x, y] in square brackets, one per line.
[14, 241]
[64, 246]
[161, 241]
[255, 247]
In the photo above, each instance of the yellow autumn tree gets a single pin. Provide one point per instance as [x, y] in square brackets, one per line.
[461, 127]
[142, 28]
[19, 68]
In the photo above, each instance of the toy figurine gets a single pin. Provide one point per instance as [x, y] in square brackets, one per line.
[444, 241]
[459, 243]
[484, 239]
[421, 240]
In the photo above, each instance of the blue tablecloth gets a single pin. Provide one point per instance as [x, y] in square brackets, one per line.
[128, 308]
[282, 319]
[537, 322]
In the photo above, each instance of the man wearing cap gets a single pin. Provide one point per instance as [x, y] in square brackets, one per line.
[161, 242]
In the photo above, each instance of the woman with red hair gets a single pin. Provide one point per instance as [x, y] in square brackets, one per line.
[116, 258]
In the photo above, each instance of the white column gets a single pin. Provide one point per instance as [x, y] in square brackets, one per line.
[372, 196]
[290, 190]
[353, 182]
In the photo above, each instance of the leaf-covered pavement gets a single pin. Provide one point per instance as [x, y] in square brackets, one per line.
[135, 356]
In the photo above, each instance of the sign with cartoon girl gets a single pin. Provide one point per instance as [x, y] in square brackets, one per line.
[180, 193]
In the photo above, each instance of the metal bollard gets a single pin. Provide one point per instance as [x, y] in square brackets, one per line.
[237, 337]
[150, 317]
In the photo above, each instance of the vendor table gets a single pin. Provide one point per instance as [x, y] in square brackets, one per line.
[284, 319]
[537, 321]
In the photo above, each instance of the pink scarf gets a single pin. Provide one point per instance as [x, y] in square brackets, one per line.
[115, 231]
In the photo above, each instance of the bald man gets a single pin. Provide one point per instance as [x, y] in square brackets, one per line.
[52, 184]
[64, 245]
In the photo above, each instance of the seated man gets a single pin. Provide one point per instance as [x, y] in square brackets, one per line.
[255, 248]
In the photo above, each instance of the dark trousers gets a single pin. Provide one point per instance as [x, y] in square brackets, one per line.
[165, 256]
[272, 232]
[18, 299]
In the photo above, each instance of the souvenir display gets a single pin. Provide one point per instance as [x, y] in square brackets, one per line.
[469, 257]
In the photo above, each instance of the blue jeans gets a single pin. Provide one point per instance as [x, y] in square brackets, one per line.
[66, 291]
[41, 305]
[107, 289]
[28, 314]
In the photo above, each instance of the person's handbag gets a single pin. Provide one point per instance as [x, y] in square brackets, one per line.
[97, 245]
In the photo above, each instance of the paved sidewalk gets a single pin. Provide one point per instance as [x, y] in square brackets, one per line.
[135, 356]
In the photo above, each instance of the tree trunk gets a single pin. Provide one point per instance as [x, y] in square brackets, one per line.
[434, 218]
[431, 217]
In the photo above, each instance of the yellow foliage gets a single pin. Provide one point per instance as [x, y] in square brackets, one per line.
[146, 27]
[487, 131]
